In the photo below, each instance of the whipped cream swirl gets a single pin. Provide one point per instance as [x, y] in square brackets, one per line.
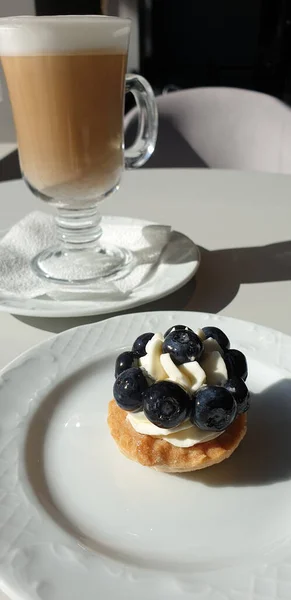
[191, 375]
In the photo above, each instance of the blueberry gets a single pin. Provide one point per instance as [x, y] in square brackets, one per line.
[237, 387]
[124, 361]
[177, 328]
[166, 404]
[140, 343]
[236, 364]
[128, 389]
[183, 346]
[214, 408]
[217, 335]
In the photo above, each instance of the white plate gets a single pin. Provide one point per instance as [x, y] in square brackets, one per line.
[177, 265]
[78, 520]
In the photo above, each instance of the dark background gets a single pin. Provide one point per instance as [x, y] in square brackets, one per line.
[232, 43]
[189, 43]
[67, 7]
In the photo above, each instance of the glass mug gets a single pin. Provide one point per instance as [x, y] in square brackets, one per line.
[66, 80]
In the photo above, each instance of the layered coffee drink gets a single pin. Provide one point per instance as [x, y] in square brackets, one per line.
[66, 80]
[67, 103]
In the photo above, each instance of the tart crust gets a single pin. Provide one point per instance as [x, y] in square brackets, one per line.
[162, 456]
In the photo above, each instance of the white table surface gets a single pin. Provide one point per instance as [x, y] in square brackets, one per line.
[242, 220]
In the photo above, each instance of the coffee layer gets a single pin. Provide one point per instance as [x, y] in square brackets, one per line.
[68, 112]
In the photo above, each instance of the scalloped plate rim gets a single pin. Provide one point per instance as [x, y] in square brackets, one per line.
[207, 586]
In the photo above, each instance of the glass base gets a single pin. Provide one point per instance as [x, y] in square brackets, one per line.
[82, 266]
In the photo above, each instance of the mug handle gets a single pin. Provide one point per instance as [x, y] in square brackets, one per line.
[144, 145]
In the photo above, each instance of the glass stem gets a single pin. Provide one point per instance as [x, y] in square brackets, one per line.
[78, 229]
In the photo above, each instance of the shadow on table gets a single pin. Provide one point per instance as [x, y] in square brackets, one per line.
[10, 167]
[257, 461]
[215, 286]
[223, 271]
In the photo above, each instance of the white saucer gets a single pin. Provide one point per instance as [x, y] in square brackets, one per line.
[177, 265]
[79, 520]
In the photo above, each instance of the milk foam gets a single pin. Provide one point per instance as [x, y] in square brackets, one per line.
[41, 35]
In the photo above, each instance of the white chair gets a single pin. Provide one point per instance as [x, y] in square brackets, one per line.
[221, 128]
